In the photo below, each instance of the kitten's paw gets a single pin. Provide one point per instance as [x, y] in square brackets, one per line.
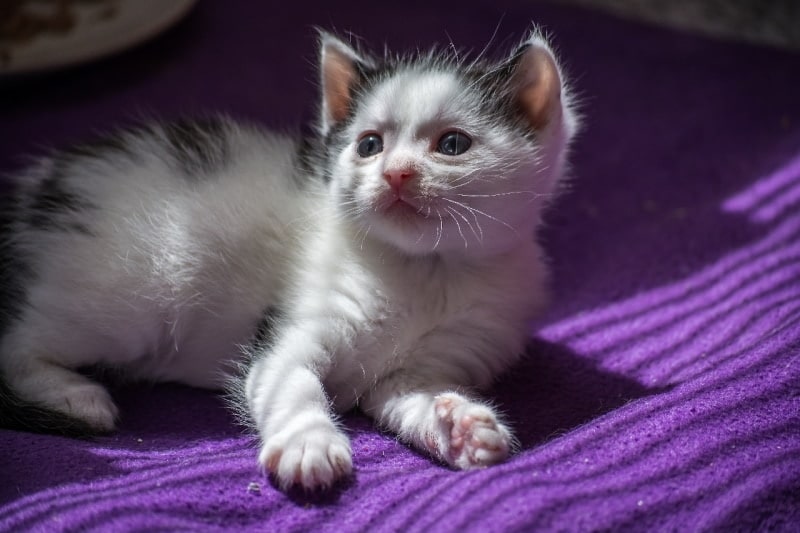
[310, 457]
[472, 437]
[86, 401]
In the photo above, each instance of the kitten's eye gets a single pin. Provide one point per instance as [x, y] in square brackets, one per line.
[370, 145]
[453, 143]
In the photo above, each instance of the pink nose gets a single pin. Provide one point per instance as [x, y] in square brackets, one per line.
[397, 177]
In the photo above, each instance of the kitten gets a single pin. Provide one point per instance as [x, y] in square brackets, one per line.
[388, 261]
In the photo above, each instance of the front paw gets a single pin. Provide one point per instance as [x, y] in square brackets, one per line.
[470, 436]
[310, 454]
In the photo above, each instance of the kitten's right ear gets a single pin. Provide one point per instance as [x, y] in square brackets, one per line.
[341, 67]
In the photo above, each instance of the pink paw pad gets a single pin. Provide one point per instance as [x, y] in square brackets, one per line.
[474, 435]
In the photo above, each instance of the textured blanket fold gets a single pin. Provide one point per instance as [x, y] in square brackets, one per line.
[661, 390]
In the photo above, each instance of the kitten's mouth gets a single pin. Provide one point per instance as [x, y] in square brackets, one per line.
[399, 208]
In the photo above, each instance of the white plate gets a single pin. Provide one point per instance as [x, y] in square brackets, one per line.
[93, 37]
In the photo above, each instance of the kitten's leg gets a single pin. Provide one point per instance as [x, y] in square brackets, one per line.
[36, 358]
[451, 426]
[54, 387]
[300, 442]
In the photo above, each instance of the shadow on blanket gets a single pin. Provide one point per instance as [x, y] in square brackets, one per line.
[553, 391]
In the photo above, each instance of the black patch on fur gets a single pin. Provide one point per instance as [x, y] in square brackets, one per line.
[333, 144]
[499, 101]
[14, 272]
[53, 206]
[100, 147]
[199, 146]
[266, 328]
[311, 156]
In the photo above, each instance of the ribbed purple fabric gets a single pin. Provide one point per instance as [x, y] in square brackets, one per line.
[661, 391]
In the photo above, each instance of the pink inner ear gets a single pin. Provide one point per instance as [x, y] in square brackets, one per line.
[540, 87]
[338, 72]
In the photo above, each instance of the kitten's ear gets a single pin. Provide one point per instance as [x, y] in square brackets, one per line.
[341, 67]
[536, 82]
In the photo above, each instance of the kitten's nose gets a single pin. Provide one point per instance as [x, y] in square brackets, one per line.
[397, 177]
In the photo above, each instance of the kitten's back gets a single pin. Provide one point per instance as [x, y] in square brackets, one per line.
[124, 252]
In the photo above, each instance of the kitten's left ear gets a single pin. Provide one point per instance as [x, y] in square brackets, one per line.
[341, 67]
[536, 82]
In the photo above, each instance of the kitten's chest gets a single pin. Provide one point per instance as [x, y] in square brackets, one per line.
[389, 314]
[417, 297]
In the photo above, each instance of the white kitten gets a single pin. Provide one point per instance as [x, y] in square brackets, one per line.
[395, 248]
[420, 274]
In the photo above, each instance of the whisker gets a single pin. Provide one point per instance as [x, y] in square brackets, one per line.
[470, 208]
[453, 47]
[441, 230]
[364, 238]
[478, 237]
[421, 235]
[458, 225]
[532, 194]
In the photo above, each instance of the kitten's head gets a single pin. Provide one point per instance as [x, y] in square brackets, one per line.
[435, 154]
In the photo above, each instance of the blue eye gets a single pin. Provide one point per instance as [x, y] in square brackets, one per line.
[370, 145]
[453, 143]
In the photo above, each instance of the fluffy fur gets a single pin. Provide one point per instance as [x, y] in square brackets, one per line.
[399, 280]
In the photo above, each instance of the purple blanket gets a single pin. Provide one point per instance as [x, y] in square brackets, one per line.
[661, 391]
